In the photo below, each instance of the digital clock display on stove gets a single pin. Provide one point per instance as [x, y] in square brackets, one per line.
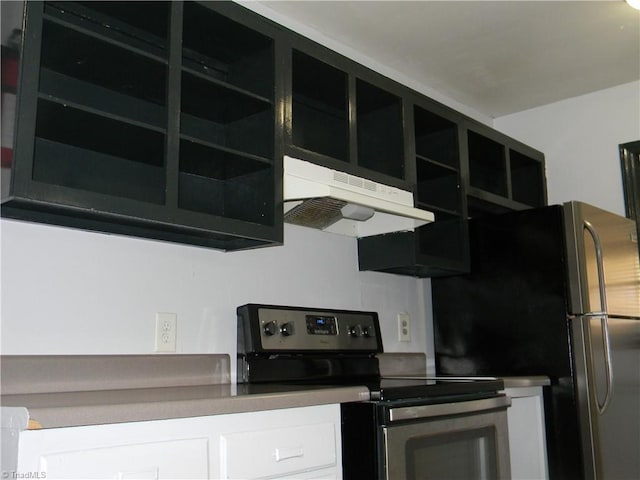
[321, 325]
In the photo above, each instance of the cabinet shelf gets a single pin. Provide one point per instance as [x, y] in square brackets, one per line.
[99, 22]
[101, 101]
[218, 101]
[93, 61]
[435, 163]
[207, 159]
[72, 126]
[438, 210]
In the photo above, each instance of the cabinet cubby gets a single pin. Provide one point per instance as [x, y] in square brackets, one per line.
[320, 119]
[78, 149]
[526, 179]
[81, 169]
[437, 162]
[222, 182]
[379, 130]
[226, 164]
[438, 187]
[487, 164]
[101, 101]
[230, 52]
[92, 60]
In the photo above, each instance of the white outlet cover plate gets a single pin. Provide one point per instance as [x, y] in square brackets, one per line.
[166, 326]
[404, 327]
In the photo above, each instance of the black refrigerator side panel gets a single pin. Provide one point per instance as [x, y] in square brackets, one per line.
[508, 317]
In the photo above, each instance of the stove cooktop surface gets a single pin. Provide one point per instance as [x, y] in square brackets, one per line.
[400, 388]
[409, 389]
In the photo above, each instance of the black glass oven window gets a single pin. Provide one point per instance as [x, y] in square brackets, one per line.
[462, 455]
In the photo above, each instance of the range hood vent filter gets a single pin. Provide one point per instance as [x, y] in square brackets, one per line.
[316, 213]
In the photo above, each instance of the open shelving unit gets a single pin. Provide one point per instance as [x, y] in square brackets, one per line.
[96, 129]
[227, 110]
[155, 119]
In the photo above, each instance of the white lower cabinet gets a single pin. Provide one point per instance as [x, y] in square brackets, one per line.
[527, 439]
[301, 443]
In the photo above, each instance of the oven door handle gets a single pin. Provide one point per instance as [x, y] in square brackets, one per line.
[445, 409]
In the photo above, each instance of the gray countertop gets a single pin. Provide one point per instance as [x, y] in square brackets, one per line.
[70, 390]
[67, 409]
[74, 390]
[524, 382]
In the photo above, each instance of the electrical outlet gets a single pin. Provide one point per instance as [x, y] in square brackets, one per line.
[166, 325]
[404, 327]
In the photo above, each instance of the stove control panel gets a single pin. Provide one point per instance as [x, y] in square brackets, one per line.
[287, 329]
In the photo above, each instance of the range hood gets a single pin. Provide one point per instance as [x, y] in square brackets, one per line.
[337, 202]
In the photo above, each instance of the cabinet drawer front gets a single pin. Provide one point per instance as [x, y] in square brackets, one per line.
[155, 460]
[277, 452]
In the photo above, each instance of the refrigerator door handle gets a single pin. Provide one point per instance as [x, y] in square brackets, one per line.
[604, 318]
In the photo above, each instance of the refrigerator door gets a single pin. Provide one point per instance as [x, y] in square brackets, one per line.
[589, 228]
[611, 439]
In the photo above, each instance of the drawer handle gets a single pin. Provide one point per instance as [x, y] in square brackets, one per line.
[282, 454]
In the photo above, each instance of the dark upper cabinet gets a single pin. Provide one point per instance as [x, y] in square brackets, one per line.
[169, 120]
[154, 119]
[463, 169]
[344, 116]
[501, 174]
[438, 248]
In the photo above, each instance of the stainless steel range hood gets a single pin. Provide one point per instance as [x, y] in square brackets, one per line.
[337, 202]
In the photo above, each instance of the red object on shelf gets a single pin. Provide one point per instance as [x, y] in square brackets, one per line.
[7, 157]
[9, 73]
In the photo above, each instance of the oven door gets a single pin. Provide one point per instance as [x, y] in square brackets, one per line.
[460, 440]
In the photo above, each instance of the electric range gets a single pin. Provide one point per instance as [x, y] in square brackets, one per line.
[408, 420]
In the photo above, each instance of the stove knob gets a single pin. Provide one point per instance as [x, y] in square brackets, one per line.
[354, 330]
[367, 331]
[286, 329]
[270, 328]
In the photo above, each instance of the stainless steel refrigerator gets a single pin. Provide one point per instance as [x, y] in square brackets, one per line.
[555, 291]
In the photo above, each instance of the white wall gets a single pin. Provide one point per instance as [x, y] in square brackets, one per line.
[71, 291]
[580, 137]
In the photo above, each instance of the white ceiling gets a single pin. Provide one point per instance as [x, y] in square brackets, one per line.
[497, 57]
